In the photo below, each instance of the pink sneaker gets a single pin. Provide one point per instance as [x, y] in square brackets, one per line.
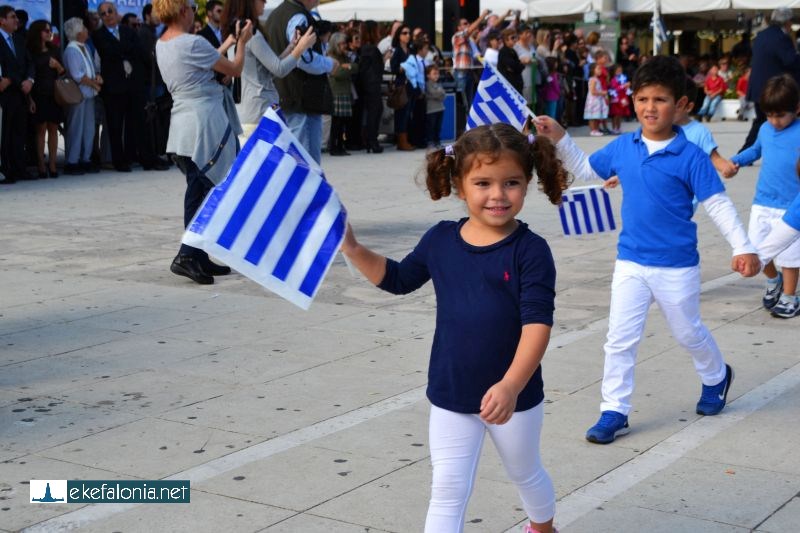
[529, 529]
[596, 133]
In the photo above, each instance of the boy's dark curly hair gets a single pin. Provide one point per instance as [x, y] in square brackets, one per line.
[780, 95]
[664, 71]
[444, 173]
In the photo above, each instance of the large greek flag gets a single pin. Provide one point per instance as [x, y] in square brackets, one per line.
[586, 210]
[497, 101]
[274, 219]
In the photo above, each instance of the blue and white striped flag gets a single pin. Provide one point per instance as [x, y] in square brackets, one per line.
[586, 210]
[274, 219]
[497, 101]
[659, 31]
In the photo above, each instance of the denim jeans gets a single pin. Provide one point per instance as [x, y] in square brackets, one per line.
[709, 106]
[308, 130]
[197, 187]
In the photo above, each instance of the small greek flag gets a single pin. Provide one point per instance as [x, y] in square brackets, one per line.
[586, 210]
[497, 101]
[274, 219]
[659, 31]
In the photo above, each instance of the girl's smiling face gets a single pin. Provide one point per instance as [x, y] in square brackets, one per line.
[494, 191]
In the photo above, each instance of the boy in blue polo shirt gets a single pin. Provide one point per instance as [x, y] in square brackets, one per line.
[777, 186]
[657, 257]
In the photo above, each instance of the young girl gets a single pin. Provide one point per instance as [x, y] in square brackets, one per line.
[551, 91]
[340, 81]
[596, 108]
[495, 286]
[620, 99]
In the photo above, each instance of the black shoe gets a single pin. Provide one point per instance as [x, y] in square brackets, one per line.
[212, 269]
[88, 167]
[73, 170]
[186, 265]
[8, 181]
[52, 173]
[41, 175]
[122, 168]
[25, 176]
[353, 146]
[375, 148]
[156, 165]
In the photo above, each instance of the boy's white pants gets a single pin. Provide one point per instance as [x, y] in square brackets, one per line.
[677, 292]
[456, 440]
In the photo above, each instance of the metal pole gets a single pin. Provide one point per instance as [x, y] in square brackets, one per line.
[61, 33]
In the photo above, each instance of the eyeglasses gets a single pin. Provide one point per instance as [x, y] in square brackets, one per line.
[107, 12]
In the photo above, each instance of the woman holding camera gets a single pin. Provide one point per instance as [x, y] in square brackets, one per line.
[260, 61]
[204, 125]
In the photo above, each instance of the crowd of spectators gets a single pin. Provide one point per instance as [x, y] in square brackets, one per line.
[125, 112]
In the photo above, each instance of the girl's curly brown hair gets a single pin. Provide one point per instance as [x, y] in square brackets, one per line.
[444, 172]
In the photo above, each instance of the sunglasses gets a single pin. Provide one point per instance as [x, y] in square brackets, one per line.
[405, 33]
[107, 12]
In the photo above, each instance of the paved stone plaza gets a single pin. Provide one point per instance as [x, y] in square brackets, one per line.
[113, 368]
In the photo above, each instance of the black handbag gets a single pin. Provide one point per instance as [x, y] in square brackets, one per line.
[397, 97]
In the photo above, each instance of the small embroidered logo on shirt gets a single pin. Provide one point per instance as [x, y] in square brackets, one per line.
[506, 277]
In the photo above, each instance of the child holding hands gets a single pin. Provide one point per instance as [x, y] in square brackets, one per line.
[777, 186]
[495, 288]
[657, 257]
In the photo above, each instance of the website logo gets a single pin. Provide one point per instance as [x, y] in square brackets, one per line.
[48, 490]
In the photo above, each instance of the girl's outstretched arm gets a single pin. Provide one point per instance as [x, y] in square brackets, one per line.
[372, 265]
[500, 400]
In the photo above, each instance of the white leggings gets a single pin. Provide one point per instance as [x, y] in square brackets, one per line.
[456, 440]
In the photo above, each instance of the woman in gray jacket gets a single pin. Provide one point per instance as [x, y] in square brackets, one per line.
[261, 63]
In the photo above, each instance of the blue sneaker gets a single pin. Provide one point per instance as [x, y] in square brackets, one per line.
[713, 397]
[610, 426]
[772, 293]
[787, 307]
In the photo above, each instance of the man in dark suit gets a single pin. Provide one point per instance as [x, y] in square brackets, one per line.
[17, 81]
[212, 32]
[123, 86]
[773, 54]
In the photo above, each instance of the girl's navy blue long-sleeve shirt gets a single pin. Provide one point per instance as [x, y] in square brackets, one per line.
[484, 295]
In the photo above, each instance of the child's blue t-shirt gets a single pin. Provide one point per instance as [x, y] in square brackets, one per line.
[700, 135]
[792, 214]
[484, 295]
[657, 227]
[778, 150]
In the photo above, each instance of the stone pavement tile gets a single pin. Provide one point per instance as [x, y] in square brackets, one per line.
[111, 359]
[38, 423]
[398, 501]
[15, 476]
[620, 517]
[785, 519]
[298, 400]
[53, 339]
[281, 480]
[273, 317]
[764, 440]
[394, 324]
[31, 286]
[140, 319]
[151, 448]
[397, 438]
[56, 310]
[695, 488]
[147, 393]
[310, 522]
[401, 356]
[206, 513]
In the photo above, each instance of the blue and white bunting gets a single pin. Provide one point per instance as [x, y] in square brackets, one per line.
[496, 100]
[586, 210]
[274, 219]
